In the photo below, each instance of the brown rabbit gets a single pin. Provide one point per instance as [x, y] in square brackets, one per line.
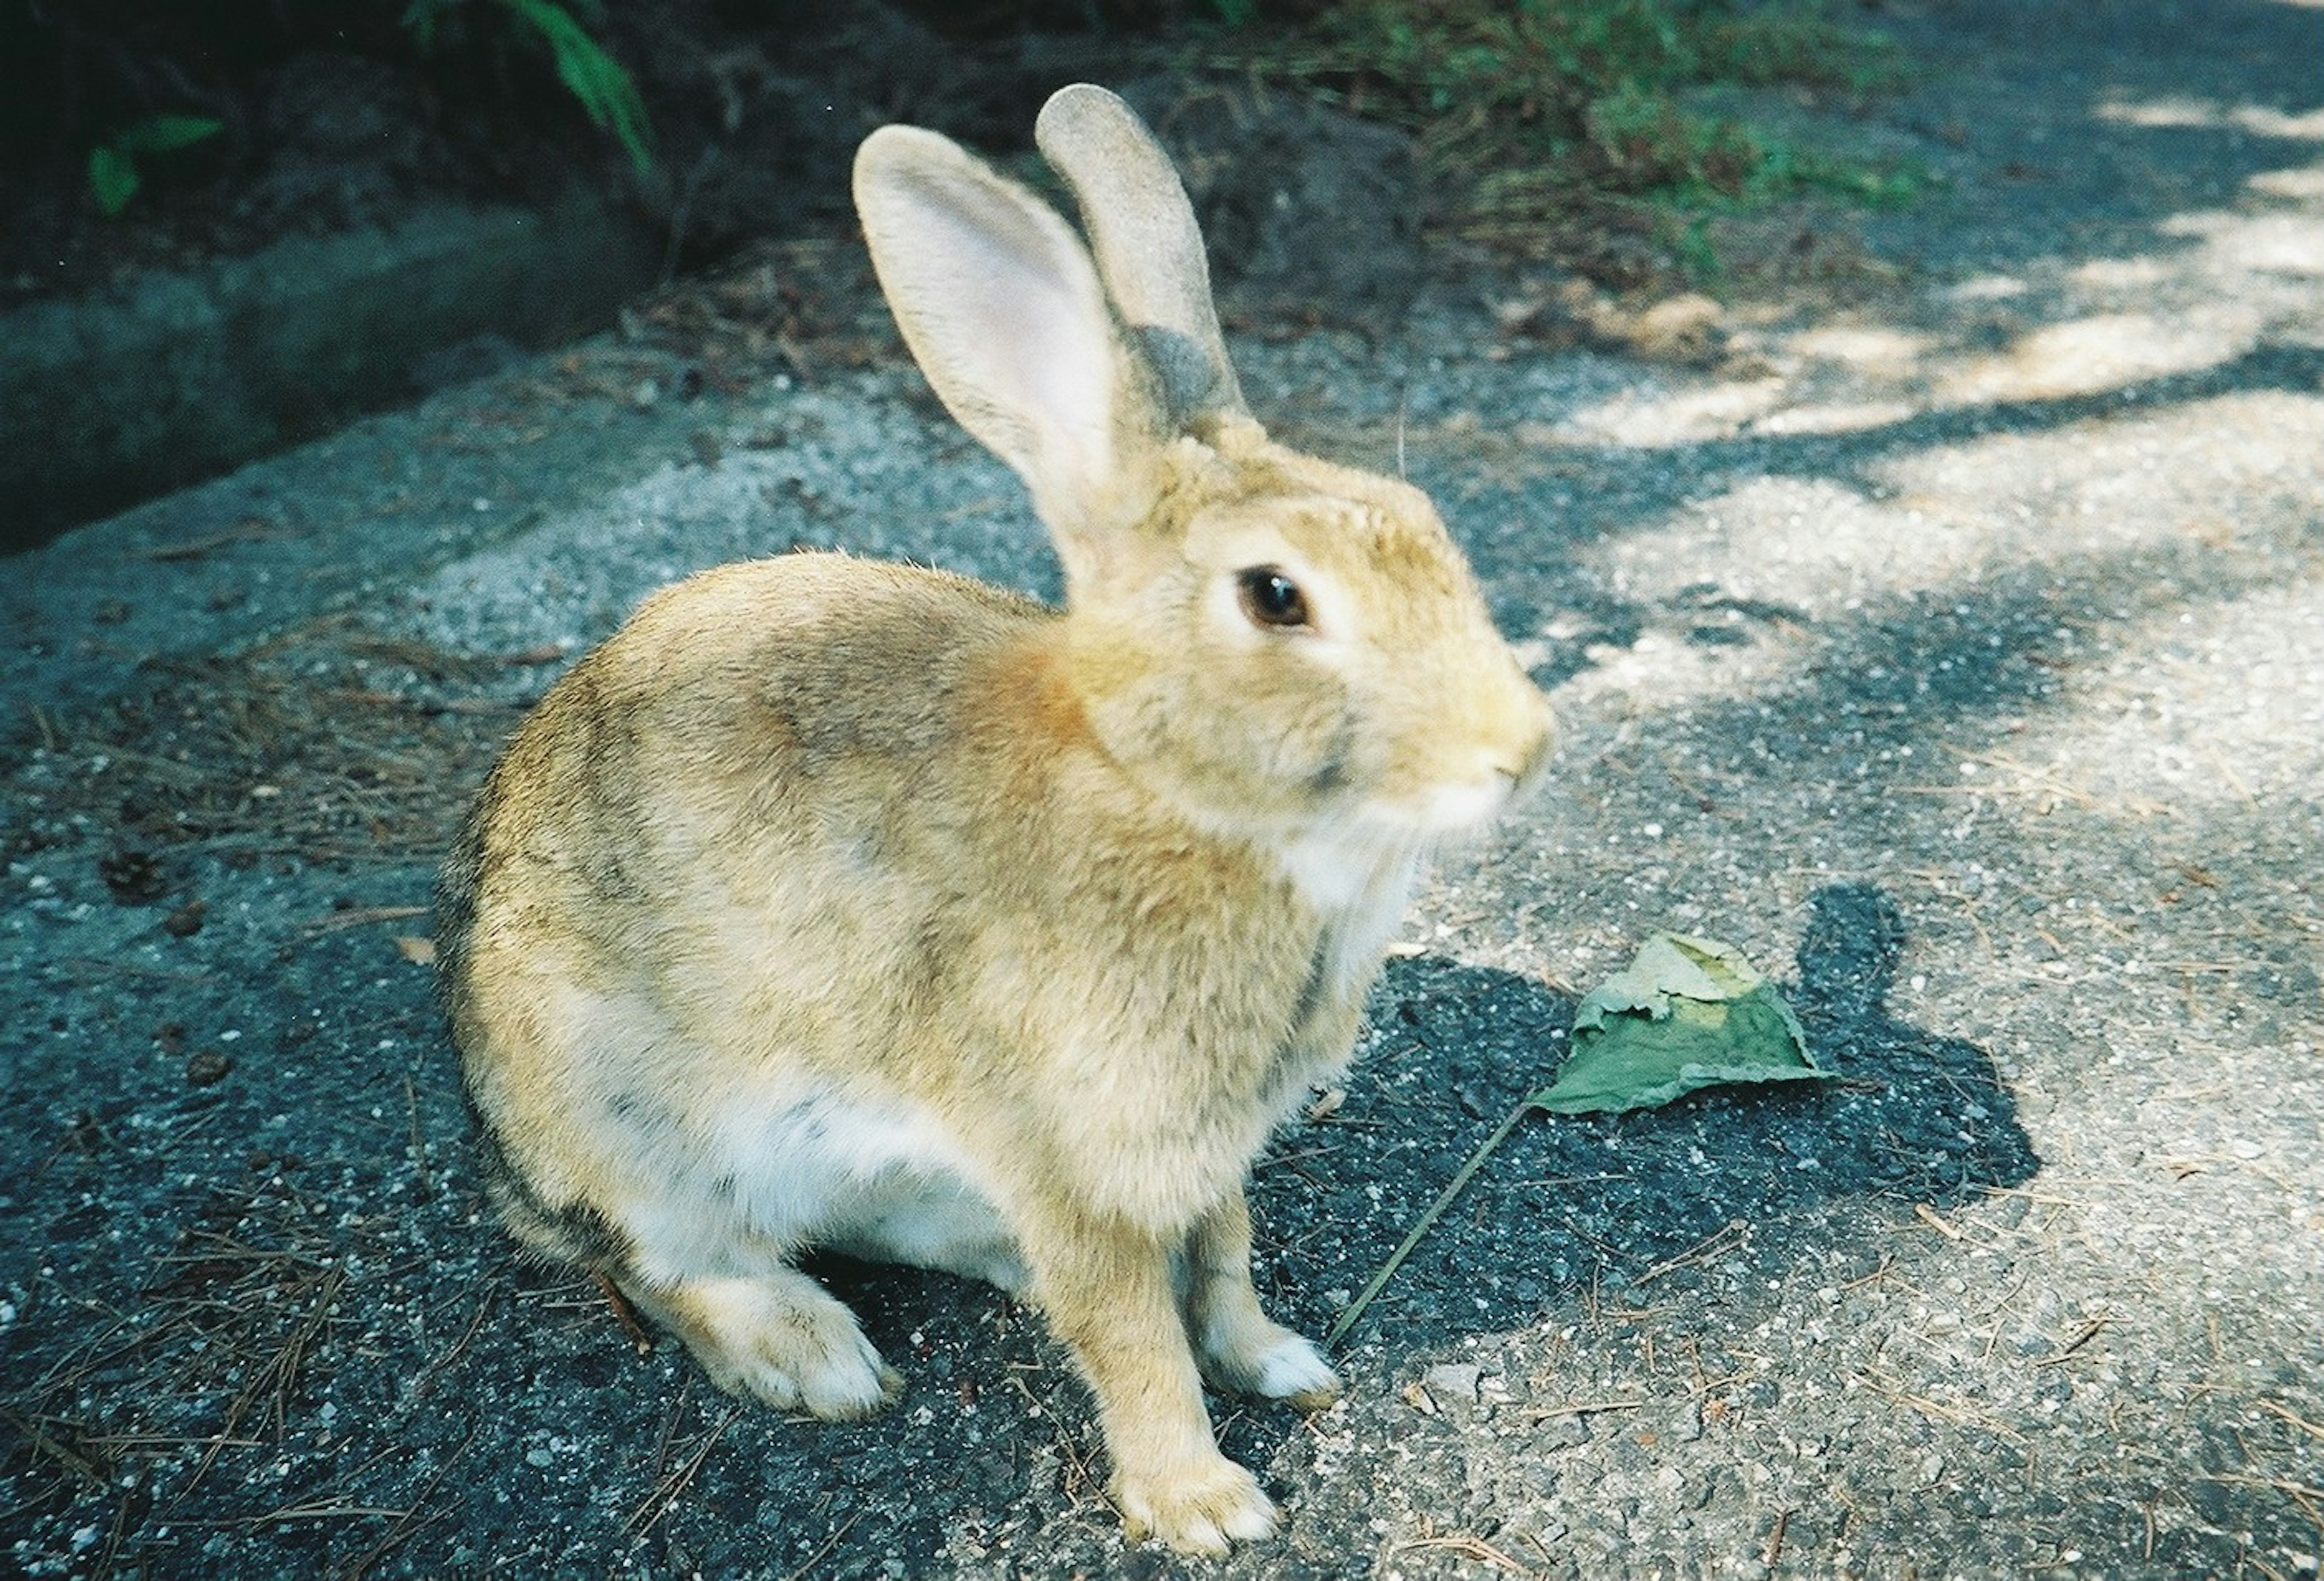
[840, 903]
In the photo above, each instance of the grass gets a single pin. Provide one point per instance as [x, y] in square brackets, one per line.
[1544, 123]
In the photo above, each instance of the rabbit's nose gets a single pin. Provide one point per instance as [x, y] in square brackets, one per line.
[1525, 765]
[1529, 728]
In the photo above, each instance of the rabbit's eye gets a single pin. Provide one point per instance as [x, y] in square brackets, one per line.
[1269, 598]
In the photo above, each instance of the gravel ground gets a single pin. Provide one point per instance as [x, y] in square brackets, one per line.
[1948, 635]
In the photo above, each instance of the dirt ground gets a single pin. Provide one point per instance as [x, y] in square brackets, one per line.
[1940, 620]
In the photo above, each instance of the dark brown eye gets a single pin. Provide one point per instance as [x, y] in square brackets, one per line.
[1269, 598]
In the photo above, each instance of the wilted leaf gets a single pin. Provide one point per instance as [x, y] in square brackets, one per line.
[1685, 1014]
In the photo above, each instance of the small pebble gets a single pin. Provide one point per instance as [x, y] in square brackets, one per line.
[1453, 1382]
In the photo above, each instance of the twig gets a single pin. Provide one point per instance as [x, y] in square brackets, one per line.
[2087, 1332]
[357, 916]
[427, 1187]
[46, 1443]
[664, 1497]
[1936, 1221]
[316, 1510]
[1937, 1410]
[409, 1521]
[280, 1370]
[253, 531]
[1580, 1408]
[2282, 1484]
[669, 1434]
[427, 1378]
[624, 1314]
[829, 1543]
[116, 1532]
[1718, 1240]
[1468, 1548]
[1355, 1309]
[1776, 1538]
[2285, 1412]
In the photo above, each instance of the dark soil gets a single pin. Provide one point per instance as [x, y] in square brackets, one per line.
[335, 117]
[337, 125]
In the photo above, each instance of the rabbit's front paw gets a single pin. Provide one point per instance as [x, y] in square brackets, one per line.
[1292, 1369]
[1199, 1509]
[1267, 1360]
[782, 1339]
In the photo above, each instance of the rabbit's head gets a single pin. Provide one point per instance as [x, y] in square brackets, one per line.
[1278, 645]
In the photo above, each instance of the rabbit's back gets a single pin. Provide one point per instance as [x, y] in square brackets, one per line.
[819, 834]
[704, 845]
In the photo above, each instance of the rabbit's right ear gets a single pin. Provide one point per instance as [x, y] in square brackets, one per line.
[1149, 247]
[999, 303]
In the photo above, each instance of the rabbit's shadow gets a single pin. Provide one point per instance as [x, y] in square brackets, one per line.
[1572, 1203]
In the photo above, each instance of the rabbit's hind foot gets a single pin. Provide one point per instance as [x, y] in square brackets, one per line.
[779, 1337]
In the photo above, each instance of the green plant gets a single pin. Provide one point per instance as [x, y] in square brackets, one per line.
[593, 76]
[113, 174]
[1538, 118]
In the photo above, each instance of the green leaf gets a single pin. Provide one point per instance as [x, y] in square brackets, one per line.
[161, 134]
[112, 180]
[1685, 1014]
[593, 76]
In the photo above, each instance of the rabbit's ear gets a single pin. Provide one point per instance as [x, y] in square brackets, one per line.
[1149, 247]
[997, 301]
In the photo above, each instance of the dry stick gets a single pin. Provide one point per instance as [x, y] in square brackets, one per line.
[625, 1313]
[427, 1378]
[667, 1492]
[409, 1520]
[2287, 1414]
[419, 1142]
[358, 916]
[43, 1442]
[1347, 1319]
[1776, 1538]
[829, 1543]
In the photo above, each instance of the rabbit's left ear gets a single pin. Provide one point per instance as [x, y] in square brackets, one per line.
[1149, 247]
[999, 303]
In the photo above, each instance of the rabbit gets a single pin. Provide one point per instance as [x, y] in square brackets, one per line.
[837, 903]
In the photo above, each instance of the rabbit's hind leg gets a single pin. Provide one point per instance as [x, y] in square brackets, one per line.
[777, 1336]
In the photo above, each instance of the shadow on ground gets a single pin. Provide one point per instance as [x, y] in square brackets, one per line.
[1579, 1204]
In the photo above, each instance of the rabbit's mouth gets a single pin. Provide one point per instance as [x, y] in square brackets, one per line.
[1454, 809]
[1464, 797]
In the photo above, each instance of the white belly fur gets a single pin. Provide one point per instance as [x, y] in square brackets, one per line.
[817, 1169]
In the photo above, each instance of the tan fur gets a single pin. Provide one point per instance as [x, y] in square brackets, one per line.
[833, 902]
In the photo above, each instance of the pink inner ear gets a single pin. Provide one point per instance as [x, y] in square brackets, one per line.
[1006, 317]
